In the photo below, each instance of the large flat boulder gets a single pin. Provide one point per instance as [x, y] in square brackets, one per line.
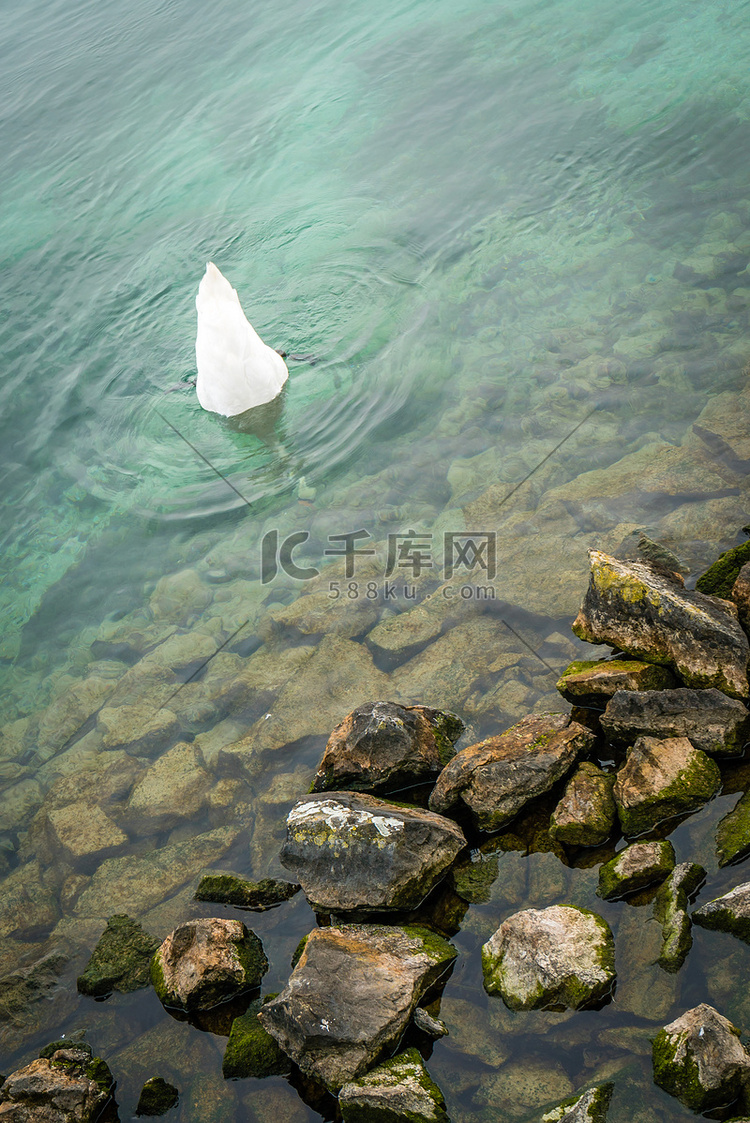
[699, 1059]
[498, 777]
[353, 852]
[593, 682]
[662, 779]
[650, 615]
[559, 957]
[712, 722]
[351, 996]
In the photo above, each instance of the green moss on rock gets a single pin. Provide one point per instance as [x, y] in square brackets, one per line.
[251, 1051]
[157, 1097]
[719, 578]
[231, 889]
[120, 960]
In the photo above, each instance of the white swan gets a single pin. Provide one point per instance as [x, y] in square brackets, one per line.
[236, 369]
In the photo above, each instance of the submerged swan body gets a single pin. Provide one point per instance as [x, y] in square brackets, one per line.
[236, 369]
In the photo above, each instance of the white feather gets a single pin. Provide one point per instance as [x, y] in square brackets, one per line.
[236, 369]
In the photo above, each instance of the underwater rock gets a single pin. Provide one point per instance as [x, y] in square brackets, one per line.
[67, 714]
[70, 1086]
[635, 867]
[699, 1059]
[398, 1091]
[351, 851]
[28, 901]
[733, 833]
[251, 1051]
[351, 996]
[670, 909]
[179, 598]
[157, 1097]
[653, 617]
[21, 989]
[174, 788]
[720, 578]
[120, 961]
[137, 728]
[381, 746]
[82, 833]
[586, 813]
[591, 1106]
[318, 613]
[711, 722]
[205, 962]
[643, 988]
[559, 956]
[728, 913]
[661, 779]
[594, 682]
[498, 777]
[521, 1087]
[231, 889]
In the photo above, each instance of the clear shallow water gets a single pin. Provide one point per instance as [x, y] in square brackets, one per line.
[483, 221]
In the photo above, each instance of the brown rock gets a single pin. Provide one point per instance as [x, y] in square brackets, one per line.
[586, 813]
[593, 683]
[68, 1087]
[206, 961]
[661, 779]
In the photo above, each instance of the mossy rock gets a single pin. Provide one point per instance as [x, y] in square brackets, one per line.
[251, 1051]
[400, 1090]
[53, 1047]
[590, 1106]
[635, 867]
[719, 578]
[733, 833]
[231, 889]
[120, 961]
[157, 1097]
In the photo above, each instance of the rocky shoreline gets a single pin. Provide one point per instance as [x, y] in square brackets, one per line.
[652, 729]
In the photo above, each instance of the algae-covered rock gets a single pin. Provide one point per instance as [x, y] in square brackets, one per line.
[70, 1086]
[728, 913]
[351, 851]
[652, 616]
[593, 682]
[741, 594]
[670, 909]
[591, 1106]
[733, 833]
[586, 813]
[398, 1091]
[251, 1051]
[120, 961]
[559, 956]
[635, 867]
[351, 996]
[232, 889]
[157, 1097]
[21, 992]
[498, 777]
[719, 579]
[382, 746]
[699, 1059]
[712, 722]
[205, 962]
[473, 878]
[661, 779]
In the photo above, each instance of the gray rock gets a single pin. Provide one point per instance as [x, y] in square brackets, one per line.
[555, 957]
[728, 913]
[699, 1059]
[70, 1086]
[670, 909]
[733, 833]
[382, 746]
[24, 987]
[591, 1106]
[498, 777]
[712, 722]
[662, 779]
[652, 616]
[398, 1091]
[593, 682]
[351, 996]
[586, 813]
[205, 962]
[635, 867]
[433, 1027]
[351, 851]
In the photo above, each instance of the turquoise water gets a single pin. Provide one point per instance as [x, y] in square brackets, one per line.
[500, 230]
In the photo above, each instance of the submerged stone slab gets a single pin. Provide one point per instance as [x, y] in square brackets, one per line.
[699, 1059]
[712, 722]
[586, 813]
[398, 1091]
[120, 961]
[351, 851]
[157, 1097]
[351, 996]
[635, 867]
[652, 616]
[231, 889]
[594, 682]
[662, 779]
[498, 777]
[591, 1106]
[560, 956]
[729, 913]
[205, 962]
[382, 746]
[670, 909]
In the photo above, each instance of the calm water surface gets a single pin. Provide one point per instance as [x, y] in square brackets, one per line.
[515, 241]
